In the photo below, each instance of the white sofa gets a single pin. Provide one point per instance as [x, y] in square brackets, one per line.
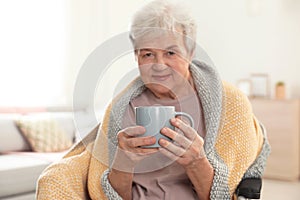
[20, 167]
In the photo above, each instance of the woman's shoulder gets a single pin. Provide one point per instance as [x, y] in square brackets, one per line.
[233, 96]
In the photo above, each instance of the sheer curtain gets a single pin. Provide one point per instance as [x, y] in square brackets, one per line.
[32, 52]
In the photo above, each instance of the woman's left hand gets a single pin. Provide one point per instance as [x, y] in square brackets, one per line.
[186, 148]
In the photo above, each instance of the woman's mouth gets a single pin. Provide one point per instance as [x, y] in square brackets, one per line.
[161, 77]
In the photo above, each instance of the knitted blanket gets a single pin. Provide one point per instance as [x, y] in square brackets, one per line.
[235, 144]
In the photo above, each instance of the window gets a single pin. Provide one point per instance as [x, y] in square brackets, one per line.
[32, 52]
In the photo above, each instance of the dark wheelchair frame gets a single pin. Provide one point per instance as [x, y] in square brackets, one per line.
[249, 188]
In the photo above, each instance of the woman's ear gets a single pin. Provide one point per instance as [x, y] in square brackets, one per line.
[190, 55]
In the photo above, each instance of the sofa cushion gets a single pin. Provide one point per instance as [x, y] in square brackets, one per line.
[44, 134]
[19, 172]
[64, 120]
[10, 137]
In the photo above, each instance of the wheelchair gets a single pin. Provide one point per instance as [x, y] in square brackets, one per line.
[249, 188]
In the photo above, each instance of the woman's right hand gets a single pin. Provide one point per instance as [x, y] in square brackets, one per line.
[129, 153]
[130, 150]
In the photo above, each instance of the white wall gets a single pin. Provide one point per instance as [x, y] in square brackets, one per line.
[240, 36]
[241, 42]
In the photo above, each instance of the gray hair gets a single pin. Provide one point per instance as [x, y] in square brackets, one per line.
[162, 15]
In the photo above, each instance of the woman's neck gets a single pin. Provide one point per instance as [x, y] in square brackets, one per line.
[187, 88]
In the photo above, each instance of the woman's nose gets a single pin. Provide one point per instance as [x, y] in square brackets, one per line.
[159, 59]
[160, 63]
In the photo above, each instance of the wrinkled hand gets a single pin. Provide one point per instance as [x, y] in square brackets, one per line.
[129, 151]
[186, 148]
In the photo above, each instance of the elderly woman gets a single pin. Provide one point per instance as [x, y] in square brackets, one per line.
[208, 161]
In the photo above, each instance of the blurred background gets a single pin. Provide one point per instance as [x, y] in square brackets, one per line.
[254, 44]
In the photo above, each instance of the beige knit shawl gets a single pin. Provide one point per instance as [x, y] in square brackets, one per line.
[235, 143]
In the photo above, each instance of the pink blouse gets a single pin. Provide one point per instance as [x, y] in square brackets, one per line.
[158, 177]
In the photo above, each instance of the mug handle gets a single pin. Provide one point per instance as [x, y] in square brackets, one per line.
[189, 117]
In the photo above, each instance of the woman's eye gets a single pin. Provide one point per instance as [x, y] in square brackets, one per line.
[170, 53]
[146, 55]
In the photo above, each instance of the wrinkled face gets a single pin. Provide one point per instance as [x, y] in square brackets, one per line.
[164, 65]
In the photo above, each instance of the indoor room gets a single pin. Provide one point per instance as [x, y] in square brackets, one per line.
[63, 61]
